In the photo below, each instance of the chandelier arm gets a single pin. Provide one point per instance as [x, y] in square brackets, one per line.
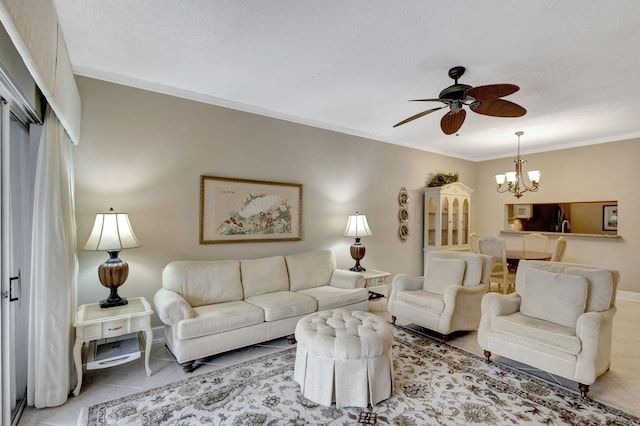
[503, 190]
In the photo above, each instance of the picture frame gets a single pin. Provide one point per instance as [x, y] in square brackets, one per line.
[243, 211]
[522, 211]
[610, 218]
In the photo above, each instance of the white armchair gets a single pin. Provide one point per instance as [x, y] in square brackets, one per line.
[447, 298]
[560, 320]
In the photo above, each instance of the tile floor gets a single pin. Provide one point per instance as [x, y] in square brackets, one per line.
[619, 387]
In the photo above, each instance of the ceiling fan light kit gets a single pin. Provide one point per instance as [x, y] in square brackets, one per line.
[484, 100]
[514, 181]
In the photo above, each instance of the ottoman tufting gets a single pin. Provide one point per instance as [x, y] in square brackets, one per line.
[344, 356]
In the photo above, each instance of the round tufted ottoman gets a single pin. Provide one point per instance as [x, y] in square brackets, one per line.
[344, 356]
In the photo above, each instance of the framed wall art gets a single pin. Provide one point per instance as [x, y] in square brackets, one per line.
[242, 211]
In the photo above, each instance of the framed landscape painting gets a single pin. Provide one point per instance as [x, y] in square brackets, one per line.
[242, 211]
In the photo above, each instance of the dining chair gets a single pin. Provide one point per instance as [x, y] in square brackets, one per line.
[535, 242]
[559, 249]
[500, 274]
[473, 242]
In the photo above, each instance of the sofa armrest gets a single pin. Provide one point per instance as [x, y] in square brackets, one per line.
[595, 331]
[456, 293]
[405, 282]
[171, 307]
[346, 279]
[461, 307]
[495, 305]
[502, 304]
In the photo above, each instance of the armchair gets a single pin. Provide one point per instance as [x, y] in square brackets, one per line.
[447, 298]
[560, 320]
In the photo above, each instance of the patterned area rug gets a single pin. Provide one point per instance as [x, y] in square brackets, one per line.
[435, 384]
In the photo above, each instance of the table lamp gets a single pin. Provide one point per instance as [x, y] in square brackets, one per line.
[112, 232]
[357, 227]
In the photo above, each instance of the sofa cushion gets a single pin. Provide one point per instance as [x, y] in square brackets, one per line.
[557, 298]
[472, 271]
[204, 282]
[425, 299]
[308, 270]
[218, 318]
[473, 264]
[265, 275]
[329, 297]
[602, 282]
[541, 333]
[283, 304]
[442, 273]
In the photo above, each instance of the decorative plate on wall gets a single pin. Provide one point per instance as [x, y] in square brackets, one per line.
[403, 214]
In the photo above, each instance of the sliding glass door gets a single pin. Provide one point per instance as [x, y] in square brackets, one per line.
[15, 254]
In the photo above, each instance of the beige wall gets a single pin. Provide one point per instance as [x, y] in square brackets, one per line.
[143, 153]
[592, 173]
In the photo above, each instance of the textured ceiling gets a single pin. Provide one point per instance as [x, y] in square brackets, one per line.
[351, 66]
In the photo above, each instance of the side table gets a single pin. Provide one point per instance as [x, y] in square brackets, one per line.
[93, 323]
[377, 282]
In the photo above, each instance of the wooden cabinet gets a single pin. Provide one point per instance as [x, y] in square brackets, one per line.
[447, 213]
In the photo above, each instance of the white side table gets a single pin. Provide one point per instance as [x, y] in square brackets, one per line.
[377, 282]
[93, 323]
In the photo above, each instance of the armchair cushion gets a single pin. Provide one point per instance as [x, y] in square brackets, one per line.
[535, 330]
[602, 282]
[474, 272]
[442, 273]
[557, 298]
[424, 299]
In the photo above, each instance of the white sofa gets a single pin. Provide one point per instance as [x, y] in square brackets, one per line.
[560, 320]
[209, 307]
[447, 298]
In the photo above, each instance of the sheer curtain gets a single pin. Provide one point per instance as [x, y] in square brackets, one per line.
[54, 269]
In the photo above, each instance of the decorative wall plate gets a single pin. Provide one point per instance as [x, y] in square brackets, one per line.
[403, 198]
[404, 232]
[403, 213]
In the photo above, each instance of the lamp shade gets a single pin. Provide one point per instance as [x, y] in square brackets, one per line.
[534, 176]
[357, 226]
[112, 232]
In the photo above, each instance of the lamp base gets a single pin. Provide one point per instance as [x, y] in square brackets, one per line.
[113, 300]
[357, 267]
[357, 253]
[113, 273]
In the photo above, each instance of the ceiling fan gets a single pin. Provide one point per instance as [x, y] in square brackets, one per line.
[483, 100]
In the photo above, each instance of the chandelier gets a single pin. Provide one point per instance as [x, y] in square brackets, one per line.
[514, 181]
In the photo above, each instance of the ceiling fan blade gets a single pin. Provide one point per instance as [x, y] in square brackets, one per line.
[491, 91]
[452, 121]
[413, 117]
[498, 108]
[444, 101]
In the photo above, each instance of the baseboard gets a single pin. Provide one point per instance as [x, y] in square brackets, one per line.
[628, 295]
